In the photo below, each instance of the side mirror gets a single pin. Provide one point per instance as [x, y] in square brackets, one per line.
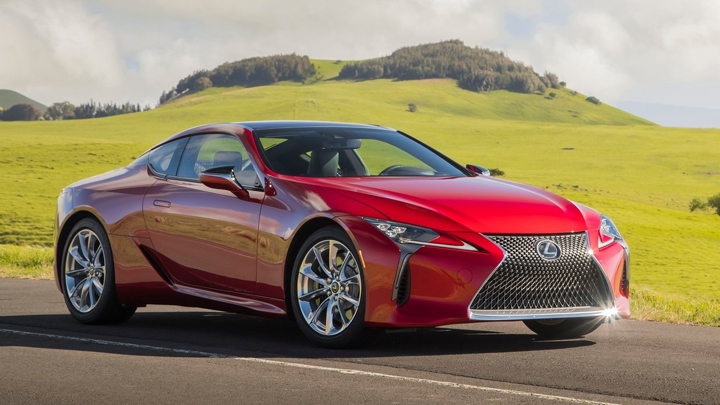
[223, 178]
[479, 170]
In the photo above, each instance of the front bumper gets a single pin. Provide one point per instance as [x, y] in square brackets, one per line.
[444, 282]
[551, 313]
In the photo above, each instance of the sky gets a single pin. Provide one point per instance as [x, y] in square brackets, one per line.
[629, 53]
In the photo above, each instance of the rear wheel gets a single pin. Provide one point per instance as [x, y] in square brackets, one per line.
[564, 328]
[88, 276]
[327, 290]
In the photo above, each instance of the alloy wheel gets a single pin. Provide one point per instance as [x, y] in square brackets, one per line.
[85, 270]
[329, 287]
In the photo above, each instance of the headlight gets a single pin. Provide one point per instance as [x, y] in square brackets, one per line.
[608, 232]
[404, 234]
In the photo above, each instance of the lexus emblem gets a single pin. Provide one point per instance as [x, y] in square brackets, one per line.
[548, 249]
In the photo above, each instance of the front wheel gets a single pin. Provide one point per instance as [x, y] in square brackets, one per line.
[564, 328]
[327, 290]
[88, 276]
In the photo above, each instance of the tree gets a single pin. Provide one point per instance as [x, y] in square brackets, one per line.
[593, 100]
[202, 83]
[563, 84]
[552, 94]
[246, 72]
[496, 172]
[86, 110]
[697, 204]
[22, 112]
[475, 69]
[552, 80]
[412, 107]
[714, 202]
[60, 111]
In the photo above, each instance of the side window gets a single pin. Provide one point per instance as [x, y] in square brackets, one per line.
[205, 152]
[164, 159]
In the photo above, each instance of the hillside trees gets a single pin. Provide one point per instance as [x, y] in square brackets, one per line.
[202, 83]
[60, 111]
[475, 69]
[22, 112]
[67, 111]
[97, 110]
[714, 203]
[246, 72]
[551, 80]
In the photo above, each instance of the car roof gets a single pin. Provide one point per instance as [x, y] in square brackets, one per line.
[264, 125]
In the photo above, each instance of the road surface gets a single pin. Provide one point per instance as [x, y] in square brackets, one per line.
[179, 355]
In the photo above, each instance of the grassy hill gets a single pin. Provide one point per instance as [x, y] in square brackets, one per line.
[9, 98]
[641, 175]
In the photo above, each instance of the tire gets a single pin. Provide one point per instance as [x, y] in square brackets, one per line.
[346, 328]
[565, 328]
[87, 275]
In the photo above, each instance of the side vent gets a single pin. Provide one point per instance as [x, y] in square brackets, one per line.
[155, 263]
[404, 285]
[625, 286]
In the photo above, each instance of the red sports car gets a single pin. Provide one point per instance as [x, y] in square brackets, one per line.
[345, 228]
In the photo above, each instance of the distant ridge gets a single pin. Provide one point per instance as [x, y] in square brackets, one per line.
[674, 115]
[9, 98]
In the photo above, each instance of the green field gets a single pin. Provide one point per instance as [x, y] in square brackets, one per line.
[641, 175]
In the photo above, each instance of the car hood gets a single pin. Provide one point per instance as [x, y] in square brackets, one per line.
[462, 204]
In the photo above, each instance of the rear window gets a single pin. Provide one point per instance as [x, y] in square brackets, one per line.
[164, 159]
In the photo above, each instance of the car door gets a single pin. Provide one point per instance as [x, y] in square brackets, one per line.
[206, 237]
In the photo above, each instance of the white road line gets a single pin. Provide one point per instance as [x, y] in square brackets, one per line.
[312, 367]
[425, 381]
[113, 343]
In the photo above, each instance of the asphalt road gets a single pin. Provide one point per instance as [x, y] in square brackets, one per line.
[176, 355]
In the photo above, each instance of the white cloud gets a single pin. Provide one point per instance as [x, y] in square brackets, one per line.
[132, 50]
[618, 50]
[57, 49]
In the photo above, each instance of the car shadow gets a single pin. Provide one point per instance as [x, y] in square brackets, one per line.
[241, 335]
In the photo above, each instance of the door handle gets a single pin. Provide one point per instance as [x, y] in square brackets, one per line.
[161, 203]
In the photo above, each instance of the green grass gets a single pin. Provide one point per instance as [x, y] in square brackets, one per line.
[641, 175]
[647, 304]
[26, 262]
[328, 69]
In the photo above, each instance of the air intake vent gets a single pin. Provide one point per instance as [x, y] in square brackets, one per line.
[404, 285]
[155, 263]
[525, 280]
[625, 287]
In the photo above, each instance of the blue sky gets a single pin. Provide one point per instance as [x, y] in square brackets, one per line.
[652, 52]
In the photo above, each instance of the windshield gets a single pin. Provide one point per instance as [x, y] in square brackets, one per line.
[344, 152]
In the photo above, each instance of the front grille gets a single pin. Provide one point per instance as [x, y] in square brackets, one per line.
[525, 280]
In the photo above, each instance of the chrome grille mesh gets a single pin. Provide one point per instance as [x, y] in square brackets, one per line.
[525, 280]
